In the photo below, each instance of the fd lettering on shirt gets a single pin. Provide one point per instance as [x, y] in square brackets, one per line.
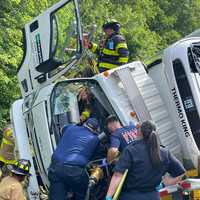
[130, 136]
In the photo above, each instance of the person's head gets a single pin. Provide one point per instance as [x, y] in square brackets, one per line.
[85, 94]
[20, 169]
[110, 27]
[7, 132]
[112, 123]
[92, 124]
[148, 131]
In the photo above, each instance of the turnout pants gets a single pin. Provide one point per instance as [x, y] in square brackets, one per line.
[67, 178]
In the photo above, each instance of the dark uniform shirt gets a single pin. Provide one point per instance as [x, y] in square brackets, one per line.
[113, 53]
[76, 146]
[123, 137]
[142, 176]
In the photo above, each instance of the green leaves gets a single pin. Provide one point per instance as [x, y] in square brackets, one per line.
[148, 25]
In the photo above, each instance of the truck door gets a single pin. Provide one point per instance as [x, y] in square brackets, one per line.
[51, 41]
[41, 139]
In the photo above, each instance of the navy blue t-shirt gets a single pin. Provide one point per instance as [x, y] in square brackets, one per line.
[123, 137]
[76, 146]
[142, 175]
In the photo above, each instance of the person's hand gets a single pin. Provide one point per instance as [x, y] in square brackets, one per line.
[82, 118]
[86, 42]
[166, 180]
[108, 198]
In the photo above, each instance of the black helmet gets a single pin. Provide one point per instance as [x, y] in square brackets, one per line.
[113, 24]
[21, 167]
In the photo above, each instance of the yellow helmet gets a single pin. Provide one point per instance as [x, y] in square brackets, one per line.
[21, 167]
[8, 132]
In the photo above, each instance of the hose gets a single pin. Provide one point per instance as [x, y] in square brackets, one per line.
[87, 196]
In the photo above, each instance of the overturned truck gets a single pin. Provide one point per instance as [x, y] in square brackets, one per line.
[165, 90]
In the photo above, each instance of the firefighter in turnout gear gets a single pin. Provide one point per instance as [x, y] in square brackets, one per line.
[112, 51]
[11, 187]
[7, 148]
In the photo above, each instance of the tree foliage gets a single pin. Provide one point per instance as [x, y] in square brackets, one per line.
[148, 25]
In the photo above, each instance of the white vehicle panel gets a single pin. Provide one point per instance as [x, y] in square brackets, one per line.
[22, 145]
[42, 133]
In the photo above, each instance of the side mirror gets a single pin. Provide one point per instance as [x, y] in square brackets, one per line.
[49, 65]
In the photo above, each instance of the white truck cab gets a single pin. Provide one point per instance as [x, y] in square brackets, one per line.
[176, 75]
[165, 91]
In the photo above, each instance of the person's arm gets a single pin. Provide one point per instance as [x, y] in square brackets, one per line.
[112, 154]
[123, 52]
[116, 178]
[90, 45]
[167, 180]
[94, 48]
[124, 163]
[85, 115]
[113, 151]
[175, 169]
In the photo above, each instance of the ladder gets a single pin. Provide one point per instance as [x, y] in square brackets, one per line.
[133, 94]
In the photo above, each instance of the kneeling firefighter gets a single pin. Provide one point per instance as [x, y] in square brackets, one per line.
[67, 170]
[112, 51]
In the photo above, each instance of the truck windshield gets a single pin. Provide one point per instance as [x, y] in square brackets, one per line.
[74, 101]
[64, 44]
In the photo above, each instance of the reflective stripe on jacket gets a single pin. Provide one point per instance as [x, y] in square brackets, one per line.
[114, 53]
[7, 150]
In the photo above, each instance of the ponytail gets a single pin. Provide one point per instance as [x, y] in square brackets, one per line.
[148, 130]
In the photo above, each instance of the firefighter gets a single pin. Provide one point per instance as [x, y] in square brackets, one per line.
[90, 107]
[120, 136]
[113, 50]
[7, 148]
[11, 187]
[67, 170]
[85, 101]
[147, 163]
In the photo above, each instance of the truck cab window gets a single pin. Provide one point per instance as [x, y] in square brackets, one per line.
[72, 102]
[64, 33]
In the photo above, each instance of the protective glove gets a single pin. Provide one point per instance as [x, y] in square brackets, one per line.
[160, 186]
[108, 198]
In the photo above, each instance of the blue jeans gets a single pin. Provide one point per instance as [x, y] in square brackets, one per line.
[67, 178]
